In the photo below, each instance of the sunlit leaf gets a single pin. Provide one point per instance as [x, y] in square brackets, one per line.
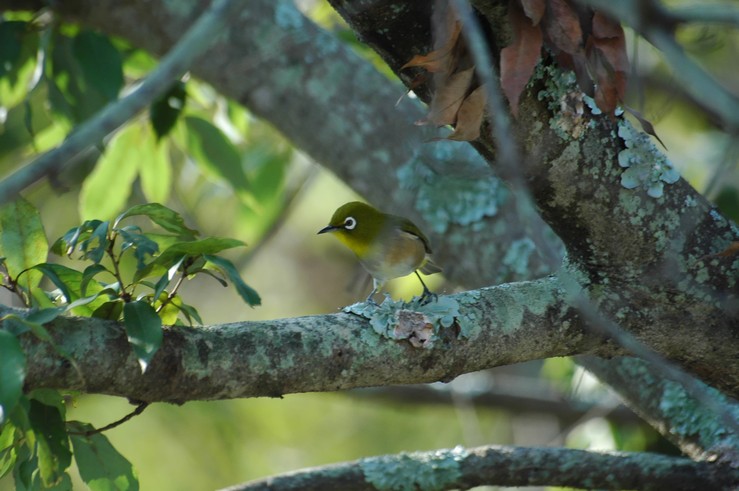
[12, 373]
[18, 48]
[250, 296]
[144, 329]
[156, 171]
[22, 241]
[101, 466]
[7, 449]
[52, 443]
[105, 192]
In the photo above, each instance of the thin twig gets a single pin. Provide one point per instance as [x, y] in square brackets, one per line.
[139, 409]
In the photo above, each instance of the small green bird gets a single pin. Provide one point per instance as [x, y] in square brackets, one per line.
[388, 246]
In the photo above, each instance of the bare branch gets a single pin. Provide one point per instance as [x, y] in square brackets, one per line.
[506, 466]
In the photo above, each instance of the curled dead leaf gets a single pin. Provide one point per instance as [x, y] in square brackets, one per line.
[519, 59]
[534, 9]
[469, 117]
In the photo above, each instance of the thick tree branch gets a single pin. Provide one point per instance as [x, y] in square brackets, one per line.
[693, 426]
[509, 324]
[507, 466]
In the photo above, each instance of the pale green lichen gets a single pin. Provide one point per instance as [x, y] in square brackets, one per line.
[564, 100]
[646, 167]
[287, 16]
[518, 254]
[443, 198]
[409, 472]
[388, 319]
[688, 417]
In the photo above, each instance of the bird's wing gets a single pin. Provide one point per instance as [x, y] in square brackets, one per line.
[410, 227]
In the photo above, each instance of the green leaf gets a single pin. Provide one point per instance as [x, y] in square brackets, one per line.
[175, 252]
[98, 238]
[166, 218]
[22, 241]
[106, 190]
[11, 37]
[215, 153]
[18, 47]
[12, 373]
[51, 440]
[101, 466]
[100, 63]
[144, 329]
[111, 310]
[250, 296]
[8, 452]
[57, 275]
[156, 171]
[191, 313]
[67, 243]
[164, 111]
[88, 274]
[142, 245]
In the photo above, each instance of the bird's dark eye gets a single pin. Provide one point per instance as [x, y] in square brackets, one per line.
[350, 223]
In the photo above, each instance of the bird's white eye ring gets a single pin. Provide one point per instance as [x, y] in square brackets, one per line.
[350, 223]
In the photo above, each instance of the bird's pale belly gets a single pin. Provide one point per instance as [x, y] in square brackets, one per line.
[398, 257]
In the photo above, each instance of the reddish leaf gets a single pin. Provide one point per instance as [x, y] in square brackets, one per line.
[449, 97]
[442, 59]
[518, 61]
[562, 27]
[604, 27]
[608, 62]
[469, 117]
[534, 9]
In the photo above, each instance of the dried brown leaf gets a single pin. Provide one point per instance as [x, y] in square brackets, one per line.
[605, 27]
[449, 97]
[608, 62]
[518, 61]
[442, 59]
[534, 9]
[469, 117]
[562, 27]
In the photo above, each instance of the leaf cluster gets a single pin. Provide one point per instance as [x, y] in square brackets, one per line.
[35, 439]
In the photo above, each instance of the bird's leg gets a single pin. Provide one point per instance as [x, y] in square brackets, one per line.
[427, 294]
[376, 285]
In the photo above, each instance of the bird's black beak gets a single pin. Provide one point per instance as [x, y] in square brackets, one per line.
[329, 228]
